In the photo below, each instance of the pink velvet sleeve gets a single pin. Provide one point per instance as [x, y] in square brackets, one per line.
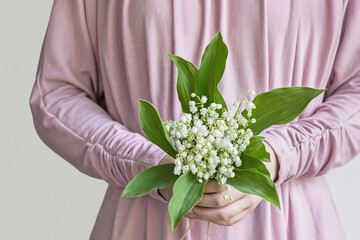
[331, 136]
[64, 104]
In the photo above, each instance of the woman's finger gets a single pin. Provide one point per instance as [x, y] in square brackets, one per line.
[213, 187]
[255, 200]
[216, 200]
[217, 214]
[227, 215]
[235, 219]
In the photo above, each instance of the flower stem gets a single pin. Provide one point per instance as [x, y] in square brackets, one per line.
[184, 236]
[208, 231]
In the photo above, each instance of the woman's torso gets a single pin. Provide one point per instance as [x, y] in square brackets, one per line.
[271, 44]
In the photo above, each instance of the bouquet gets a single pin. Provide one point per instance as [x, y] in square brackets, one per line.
[211, 142]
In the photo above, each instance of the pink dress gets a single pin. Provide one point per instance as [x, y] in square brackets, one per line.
[99, 57]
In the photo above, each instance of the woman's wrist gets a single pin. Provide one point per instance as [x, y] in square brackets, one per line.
[166, 159]
[273, 165]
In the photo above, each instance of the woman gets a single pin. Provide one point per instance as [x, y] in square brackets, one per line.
[100, 57]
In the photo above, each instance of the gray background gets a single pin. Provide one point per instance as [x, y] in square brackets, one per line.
[41, 195]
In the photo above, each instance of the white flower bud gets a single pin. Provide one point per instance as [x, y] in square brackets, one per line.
[232, 122]
[167, 127]
[203, 111]
[193, 168]
[188, 116]
[184, 154]
[250, 106]
[223, 179]
[225, 161]
[242, 147]
[203, 99]
[185, 168]
[236, 104]
[197, 158]
[217, 133]
[198, 123]
[193, 109]
[222, 170]
[177, 162]
[181, 148]
[249, 133]
[177, 170]
[249, 113]
[206, 176]
[194, 130]
[193, 95]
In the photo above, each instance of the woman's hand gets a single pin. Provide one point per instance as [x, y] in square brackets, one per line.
[273, 165]
[214, 208]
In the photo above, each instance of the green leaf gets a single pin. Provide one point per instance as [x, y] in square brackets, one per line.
[211, 71]
[253, 182]
[187, 74]
[160, 176]
[154, 129]
[250, 162]
[257, 149]
[187, 192]
[280, 106]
